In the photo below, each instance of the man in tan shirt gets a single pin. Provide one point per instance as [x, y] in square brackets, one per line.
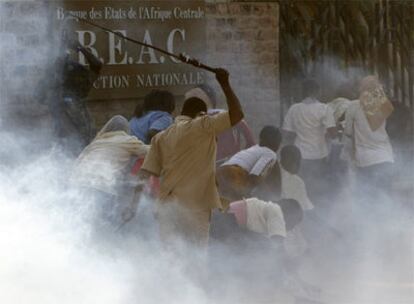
[184, 158]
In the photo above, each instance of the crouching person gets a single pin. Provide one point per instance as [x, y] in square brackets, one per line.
[250, 238]
[248, 168]
[268, 219]
[102, 172]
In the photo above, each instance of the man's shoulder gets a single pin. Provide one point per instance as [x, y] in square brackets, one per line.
[252, 148]
[159, 137]
[301, 107]
[319, 105]
[354, 103]
[159, 114]
[354, 106]
[293, 109]
[208, 121]
[256, 151]
[264, 150]
[295, 106]
[274, 209]
[320, 108]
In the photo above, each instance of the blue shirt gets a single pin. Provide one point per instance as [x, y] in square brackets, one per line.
[153, 120]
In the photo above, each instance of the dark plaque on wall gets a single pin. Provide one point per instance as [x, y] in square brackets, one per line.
[131, 70]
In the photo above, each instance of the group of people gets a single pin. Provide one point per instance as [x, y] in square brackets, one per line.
[189, 166]
[342, 134]
[206, 185]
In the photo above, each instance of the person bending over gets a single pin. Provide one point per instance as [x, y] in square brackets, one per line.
[102, 171]
[247, 168]
[248, 244]
[269, 219]
[154, 116]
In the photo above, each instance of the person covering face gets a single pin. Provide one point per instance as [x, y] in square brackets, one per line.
[106, 157]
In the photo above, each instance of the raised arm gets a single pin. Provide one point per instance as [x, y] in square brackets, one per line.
[247, 133]
[235, 110]
[94, 62]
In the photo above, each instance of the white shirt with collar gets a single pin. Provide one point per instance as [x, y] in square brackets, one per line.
[309, 120]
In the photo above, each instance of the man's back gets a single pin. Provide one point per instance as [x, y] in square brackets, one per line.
[371, 147]
[254, 160]
[309, 121]
[184, 156]
[153, 120]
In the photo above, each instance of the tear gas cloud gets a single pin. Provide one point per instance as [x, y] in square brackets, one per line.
[50, 252]
[48, 249]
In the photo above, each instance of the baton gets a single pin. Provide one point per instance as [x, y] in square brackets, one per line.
[181, 57]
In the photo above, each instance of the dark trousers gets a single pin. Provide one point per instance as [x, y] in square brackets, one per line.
[238, 257]
[374, 182]
[314, 174]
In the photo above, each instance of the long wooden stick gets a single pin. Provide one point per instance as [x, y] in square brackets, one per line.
[180, 57]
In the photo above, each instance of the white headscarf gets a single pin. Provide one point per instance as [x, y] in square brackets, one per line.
[116, 123]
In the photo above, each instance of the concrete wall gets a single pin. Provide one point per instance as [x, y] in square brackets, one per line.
[241, 36]
[24, 61]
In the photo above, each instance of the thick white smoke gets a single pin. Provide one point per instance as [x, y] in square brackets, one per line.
[49, 252]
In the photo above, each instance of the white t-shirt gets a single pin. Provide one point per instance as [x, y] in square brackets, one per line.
[256, 160]
[265, 218]
[371, 147]
[293, 187]
[309, 121]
